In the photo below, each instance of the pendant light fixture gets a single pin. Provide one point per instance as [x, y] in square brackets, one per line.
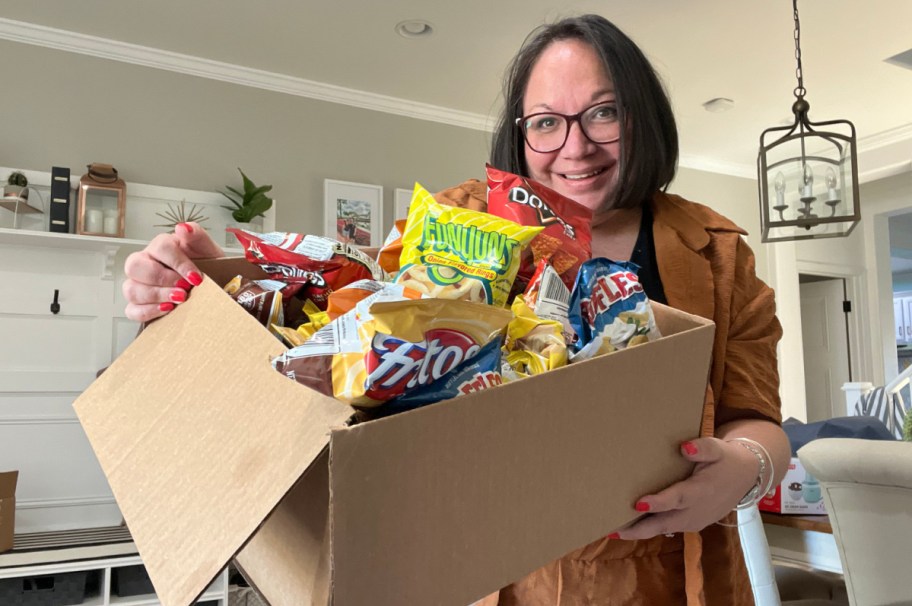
[807, 173]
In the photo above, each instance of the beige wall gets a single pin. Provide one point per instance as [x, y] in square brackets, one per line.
[165, 128]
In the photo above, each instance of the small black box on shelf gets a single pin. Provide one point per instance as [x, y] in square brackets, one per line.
[59, 219]
[44, 590]
[129, 581]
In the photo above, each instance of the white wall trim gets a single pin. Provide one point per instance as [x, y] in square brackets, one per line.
[57, 503]
[709, 165]
[48, 37]
[39, 420]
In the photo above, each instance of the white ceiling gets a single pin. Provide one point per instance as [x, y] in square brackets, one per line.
[740, 49]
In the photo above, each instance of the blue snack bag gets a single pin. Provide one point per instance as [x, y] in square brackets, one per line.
[481, 371]
[609, 309]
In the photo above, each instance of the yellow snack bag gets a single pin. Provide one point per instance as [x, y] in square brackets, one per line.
[457, 253]
[380, 350]
[534, 345]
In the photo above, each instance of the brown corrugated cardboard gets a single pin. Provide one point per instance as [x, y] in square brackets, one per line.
[8, 481]
[201, 439]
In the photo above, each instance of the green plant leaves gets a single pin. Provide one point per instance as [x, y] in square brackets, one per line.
[250, 203]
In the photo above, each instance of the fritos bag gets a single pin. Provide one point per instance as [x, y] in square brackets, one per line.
[456, 253]
[380, 350]
[566, 238]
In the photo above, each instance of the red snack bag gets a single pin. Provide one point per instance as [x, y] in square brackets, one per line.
[566, 240]
[318, 264]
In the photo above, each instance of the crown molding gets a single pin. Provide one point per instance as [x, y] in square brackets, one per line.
[900, 134]
[39, 35]
[733, 169]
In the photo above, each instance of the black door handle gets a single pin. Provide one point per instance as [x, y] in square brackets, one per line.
[55, 306]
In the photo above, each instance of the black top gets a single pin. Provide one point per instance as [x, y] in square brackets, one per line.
[644, 255]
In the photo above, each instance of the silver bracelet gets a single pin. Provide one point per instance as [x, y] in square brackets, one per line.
[764, 480]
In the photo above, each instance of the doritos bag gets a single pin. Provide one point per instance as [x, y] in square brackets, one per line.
[566, 238]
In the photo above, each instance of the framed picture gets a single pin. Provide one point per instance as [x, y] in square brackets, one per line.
[402, 200]
[353, 212]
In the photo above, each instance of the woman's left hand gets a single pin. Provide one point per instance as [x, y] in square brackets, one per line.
[724, 473]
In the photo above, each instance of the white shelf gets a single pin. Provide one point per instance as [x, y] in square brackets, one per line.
[24, 237]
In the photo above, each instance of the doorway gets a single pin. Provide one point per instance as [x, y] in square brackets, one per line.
[825, 338]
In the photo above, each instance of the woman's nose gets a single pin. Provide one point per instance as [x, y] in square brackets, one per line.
[577, 144]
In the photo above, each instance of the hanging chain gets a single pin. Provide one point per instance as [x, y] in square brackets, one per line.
[800, 90]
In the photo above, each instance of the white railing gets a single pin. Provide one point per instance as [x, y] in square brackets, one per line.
[855, 391]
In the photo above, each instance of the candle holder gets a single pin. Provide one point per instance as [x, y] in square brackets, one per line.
[101, 202]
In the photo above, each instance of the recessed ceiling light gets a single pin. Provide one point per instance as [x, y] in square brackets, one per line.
[414, 28]
[718, 105]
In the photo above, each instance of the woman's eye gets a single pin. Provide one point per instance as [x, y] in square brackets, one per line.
[604, 112]
[543, 123]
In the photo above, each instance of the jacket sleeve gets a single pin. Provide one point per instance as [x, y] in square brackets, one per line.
[750, 384]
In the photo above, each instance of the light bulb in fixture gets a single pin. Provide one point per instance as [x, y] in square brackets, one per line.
[779, 186]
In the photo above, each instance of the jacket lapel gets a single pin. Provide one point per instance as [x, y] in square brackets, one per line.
[685, 272]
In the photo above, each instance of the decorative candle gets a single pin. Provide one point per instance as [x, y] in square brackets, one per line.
[831, 183]
[779, 185]
[807, 188]
[94, 220]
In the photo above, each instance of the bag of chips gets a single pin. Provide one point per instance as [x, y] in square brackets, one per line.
[317, 265]
[476, 373]
[382, 349]
[456, 253]
[534, 345]
[609, 309]
[566, 237]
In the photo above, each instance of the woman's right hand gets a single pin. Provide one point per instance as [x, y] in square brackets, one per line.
[160, 276]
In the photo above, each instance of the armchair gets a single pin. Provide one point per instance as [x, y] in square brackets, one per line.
[867, 488]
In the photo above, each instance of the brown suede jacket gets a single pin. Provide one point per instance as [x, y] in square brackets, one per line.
[706, 269]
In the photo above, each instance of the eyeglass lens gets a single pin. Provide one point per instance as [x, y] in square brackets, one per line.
[547, 132]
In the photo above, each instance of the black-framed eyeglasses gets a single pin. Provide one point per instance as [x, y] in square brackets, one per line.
[547, 132]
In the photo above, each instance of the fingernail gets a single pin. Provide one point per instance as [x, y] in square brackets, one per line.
[181, 283]
[185, 226]
[194, 278]
[642, 506]
[178, 296]
[689, 448]
[614, 536]
[165, 306]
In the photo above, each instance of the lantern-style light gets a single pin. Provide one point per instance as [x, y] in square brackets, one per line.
[807, 173]
[102, 201]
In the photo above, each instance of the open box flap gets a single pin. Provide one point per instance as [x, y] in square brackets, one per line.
[8, 481]
[445, 504]
[287, 560]
[196, 465]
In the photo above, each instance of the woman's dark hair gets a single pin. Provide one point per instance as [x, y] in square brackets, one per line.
[643, 106]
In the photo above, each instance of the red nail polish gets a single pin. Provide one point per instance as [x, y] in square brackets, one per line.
[641, 506]
[185, 226]
[614, 536]
[194, 278]
[178, 296]
[165, 307]
[689, 448]
[183, 284]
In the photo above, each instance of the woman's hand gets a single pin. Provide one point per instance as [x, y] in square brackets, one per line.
[724, 473]
[160, 276]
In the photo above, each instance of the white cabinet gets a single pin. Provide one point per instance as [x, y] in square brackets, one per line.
[90, 582]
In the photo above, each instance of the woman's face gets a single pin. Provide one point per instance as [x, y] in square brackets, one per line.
[567, 78]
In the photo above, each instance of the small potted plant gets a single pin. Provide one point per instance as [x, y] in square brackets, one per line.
[16, 186]
[250, 203]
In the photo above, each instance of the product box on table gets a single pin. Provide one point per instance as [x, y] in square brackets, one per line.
[213, 455]
[798, 493]
[8, 481]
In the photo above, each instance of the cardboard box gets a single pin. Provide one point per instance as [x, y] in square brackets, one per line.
[798, 493]
[8, 481]
[212, 454]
